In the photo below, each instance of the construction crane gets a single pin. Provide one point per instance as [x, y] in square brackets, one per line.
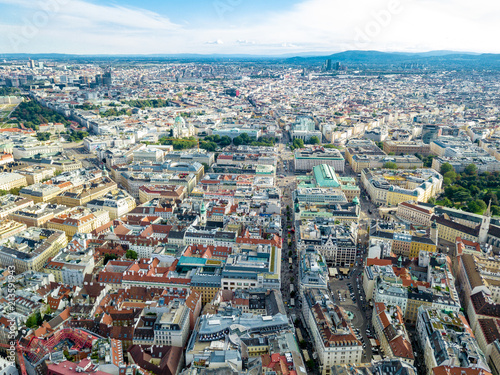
[79, 338]
[20, 357]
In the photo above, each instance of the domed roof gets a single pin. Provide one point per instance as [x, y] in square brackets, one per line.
[179, 120]
[355, 200]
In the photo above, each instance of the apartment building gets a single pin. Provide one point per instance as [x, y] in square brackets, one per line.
[9, 228]
[116, 202]
[313, 271]
[478, 272]
[170, 193]
[333, 337]
[335, 242]
[41, 193]
[389, 324]
[30, 250]
[415, 213]
[38, 214]
[443, 335]
[36, 174]
[164, 326]
[10, 180]
[82, 194]
[253, 269]
[10, 203]
[406, 148]
[306, 159]
[392, 187]
[78, 220]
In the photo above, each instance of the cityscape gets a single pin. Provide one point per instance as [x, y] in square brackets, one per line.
[254, 207]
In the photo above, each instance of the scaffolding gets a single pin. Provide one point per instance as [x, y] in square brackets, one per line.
[79, 338]
[39, 349]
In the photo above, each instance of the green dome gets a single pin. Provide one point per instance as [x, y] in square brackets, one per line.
[355, 200]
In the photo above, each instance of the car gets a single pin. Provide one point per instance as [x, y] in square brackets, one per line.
[364, 346]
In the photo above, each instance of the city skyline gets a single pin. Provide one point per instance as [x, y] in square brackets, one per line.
[253, 28]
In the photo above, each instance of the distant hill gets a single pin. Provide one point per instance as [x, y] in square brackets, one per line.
[353, 59]
[432, 58]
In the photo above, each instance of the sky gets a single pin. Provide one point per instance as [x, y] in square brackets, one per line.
[254, 27]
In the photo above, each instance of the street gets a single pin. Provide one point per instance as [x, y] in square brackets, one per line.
[360, 310]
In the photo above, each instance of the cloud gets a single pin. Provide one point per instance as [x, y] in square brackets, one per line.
[98, 15]
[218, 41]
[79, 26]
[245, 42]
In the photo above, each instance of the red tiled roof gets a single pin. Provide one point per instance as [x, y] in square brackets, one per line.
[378, 262]
[416, 207]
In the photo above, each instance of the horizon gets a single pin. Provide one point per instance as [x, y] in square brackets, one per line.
[432, 53]
[257, 28]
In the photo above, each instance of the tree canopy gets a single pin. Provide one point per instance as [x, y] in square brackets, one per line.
[390, 165]
[446, 167]
[297, 143]
[43, 136]
[77, 136]
[314, 141]
[179, 144]
[5, 91]
[143, 103]
[471, 191]
[131, 254]
[112, 112]
[32, 115]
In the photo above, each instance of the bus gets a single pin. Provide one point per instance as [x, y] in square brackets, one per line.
[291, 288]
[306, 355]
[290, 260]
[292, 302]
